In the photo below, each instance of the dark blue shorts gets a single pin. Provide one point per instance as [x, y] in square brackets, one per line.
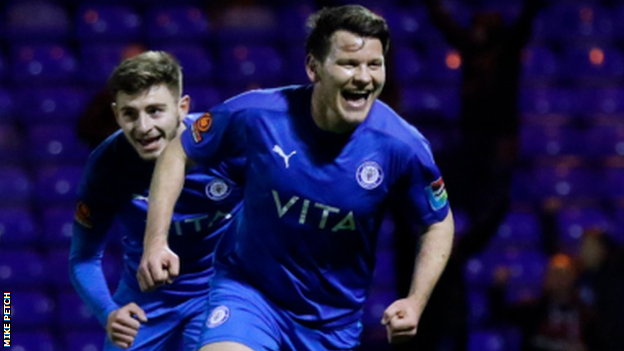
[239, 313]
[171, 322]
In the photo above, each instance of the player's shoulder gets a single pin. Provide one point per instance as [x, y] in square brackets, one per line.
[110, 154]
[390, 125]
[109, 147]
[273, 99]
[190, 118]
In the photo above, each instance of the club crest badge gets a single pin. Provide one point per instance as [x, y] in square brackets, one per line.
[369, 175]
[218, 316]
[217, 189]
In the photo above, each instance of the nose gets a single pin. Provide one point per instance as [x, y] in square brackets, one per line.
[362, 75]
[143, 123]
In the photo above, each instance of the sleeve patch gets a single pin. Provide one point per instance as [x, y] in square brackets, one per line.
[436, 194]
[83, 215]
[201, 125]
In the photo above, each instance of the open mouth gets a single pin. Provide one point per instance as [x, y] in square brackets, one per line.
[147, 142]
[356, 98]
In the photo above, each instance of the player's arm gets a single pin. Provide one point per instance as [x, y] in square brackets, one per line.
[94, 217]
[95, 210]
[85, 270]
[203, 142]
[401, 317]
[85, 267]
[159, 265]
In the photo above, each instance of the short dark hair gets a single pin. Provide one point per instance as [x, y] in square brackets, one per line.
[353, 18]
[145, 70]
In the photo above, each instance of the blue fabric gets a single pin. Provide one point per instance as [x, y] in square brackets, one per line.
[314, 200]
[115, 187]
[239, 313]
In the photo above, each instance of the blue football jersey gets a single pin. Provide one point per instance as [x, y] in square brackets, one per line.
[314, 200]
[115, 190]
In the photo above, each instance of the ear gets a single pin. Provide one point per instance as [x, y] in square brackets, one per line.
[184, 105]
[312, 66]
[115, 112]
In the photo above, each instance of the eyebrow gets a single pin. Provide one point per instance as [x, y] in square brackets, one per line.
[126, 108]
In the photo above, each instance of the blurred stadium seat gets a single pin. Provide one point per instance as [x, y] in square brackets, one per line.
[520, 230]
[57, 185]
[251, 66]
[75, 315]
[85, 340]
[572, 223]
[99, 22]
[22, 268]
[177, 23]
[56, 144]
[12, 146]
[605, 140]
[443, 65]
[613, 177]
[410, 61]
[33, 340]
[592, 64]
[478, 307]
[203, 96]
[550, 140]
[16, 186]
[60, 103]
[576, 22]
[57, 262]
[410, 24]
[293, 18]
[97, 61]
[18, 227]
[484, 340]
[246, 25]
[549, 100]
[574, 183]
[197, 63]
[40, 21]
[57, 225]
[7, 106]
[421, 103]
[540, 64]
[42, 64]
[607, 100]
[31, 309]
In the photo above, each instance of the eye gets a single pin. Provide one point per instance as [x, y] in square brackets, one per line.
[347, 64]
[375, 64]
[154, 110]
[129, 115]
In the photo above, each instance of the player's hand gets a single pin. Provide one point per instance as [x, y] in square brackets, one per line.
[158, 266]
[123, 324]
[401, 320]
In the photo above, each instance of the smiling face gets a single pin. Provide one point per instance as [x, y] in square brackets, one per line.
[347, 81]
[150, 118]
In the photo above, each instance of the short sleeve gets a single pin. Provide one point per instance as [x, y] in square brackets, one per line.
[214, 135]
[424, 192]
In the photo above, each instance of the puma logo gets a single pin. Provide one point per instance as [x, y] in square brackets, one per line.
[278, 150]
